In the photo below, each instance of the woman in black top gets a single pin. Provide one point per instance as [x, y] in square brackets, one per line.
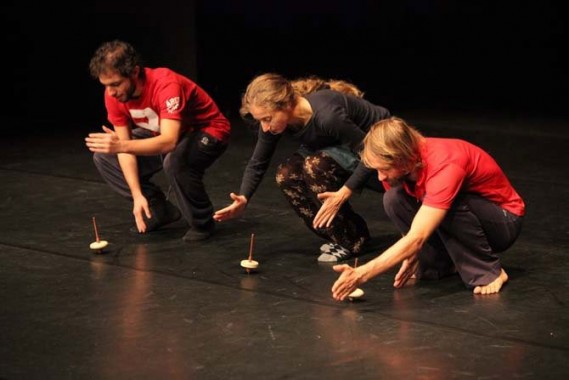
[330, 120]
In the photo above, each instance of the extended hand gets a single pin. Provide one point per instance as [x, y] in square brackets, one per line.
[140, 206]
[234, 210]
[408, 270]
[346, 283]
[332, 201]
[107, 142]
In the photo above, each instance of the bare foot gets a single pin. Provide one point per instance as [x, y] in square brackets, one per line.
[494, 286]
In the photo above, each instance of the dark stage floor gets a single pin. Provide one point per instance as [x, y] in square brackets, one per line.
[154, 307]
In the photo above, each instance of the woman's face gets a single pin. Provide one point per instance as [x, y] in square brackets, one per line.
[273, 121]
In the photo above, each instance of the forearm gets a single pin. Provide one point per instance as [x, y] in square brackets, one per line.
[359, 177]
[344, 193]
[252, 177]
[424, 224]
[404, 248]
[147, 147]
[129, 167]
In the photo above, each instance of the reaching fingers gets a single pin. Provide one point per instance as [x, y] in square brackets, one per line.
[323, 217]
[140, 225]
[147, 211]
[107, 130]
[343, 284]
[222, 215]
[407, 271]
[340, 268]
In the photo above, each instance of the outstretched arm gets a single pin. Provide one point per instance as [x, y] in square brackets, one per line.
[404, 250]
[119, 141]
[234, 210]
[112, 142]
[332, 201]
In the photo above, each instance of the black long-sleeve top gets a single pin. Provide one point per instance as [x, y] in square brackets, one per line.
[337, 119]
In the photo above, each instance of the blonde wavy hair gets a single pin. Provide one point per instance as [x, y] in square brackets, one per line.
[394, 142]
[305, 86]
[274, 92]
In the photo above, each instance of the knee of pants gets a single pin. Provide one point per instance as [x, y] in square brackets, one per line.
[319, 164]
[284, 174]
[101, 160]
[393, 199]
[173, 165]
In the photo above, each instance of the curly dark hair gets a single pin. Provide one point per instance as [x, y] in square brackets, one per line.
[117, 56]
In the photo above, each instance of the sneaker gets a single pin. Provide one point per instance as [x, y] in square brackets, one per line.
[326, 247]
[163, 213]
[335, 254]
[197, 234]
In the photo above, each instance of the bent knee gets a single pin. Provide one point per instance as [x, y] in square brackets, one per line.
[102, 159]
[392, 199]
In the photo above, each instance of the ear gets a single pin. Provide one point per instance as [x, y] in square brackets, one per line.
[136, 72]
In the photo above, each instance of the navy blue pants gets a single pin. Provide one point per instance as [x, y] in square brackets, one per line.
[469, 239]
[184, 167]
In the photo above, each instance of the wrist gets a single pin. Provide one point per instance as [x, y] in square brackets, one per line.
[360, 274]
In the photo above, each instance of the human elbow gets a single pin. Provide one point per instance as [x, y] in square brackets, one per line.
[168, 147]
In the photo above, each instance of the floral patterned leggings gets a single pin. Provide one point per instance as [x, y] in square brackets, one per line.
[302, 178]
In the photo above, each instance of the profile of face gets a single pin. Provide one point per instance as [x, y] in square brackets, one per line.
[117, 86]
[387, 172]
[271, 120]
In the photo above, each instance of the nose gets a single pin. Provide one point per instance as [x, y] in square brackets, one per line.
[265, 126]
[381, 176]
[112, 92]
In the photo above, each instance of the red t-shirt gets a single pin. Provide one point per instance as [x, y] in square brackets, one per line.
[453, 166]
[168, 95]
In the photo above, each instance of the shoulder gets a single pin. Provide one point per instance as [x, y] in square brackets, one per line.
[454, 145]
[443, 152]
[164, 75]
[326, 101]
[324, 96]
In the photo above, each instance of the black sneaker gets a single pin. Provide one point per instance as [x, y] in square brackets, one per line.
[197, 233]
[163, 213]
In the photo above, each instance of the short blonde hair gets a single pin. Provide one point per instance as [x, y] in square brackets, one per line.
[393, 141]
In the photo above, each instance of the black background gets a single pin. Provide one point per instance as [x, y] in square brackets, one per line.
[444, 55]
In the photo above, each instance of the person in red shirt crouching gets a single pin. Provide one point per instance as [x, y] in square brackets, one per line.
[161, 120]
[452, 203]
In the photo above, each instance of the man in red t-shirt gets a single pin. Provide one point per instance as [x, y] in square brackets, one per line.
[453, 204]
[161, 120]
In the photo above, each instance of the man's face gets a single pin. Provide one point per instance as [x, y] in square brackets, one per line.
[119, 87]
[393, 175]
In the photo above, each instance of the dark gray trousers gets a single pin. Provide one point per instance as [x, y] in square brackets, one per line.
[469, 239]
[184, 167]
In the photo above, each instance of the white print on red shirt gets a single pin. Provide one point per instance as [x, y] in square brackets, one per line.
[146, 118]
[173, 104]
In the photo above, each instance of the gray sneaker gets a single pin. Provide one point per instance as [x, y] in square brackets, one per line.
[333, 253]
[326, 247]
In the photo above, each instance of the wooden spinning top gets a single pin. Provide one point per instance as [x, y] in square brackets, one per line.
[358, 293]
[98, 244]
[249, 264]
